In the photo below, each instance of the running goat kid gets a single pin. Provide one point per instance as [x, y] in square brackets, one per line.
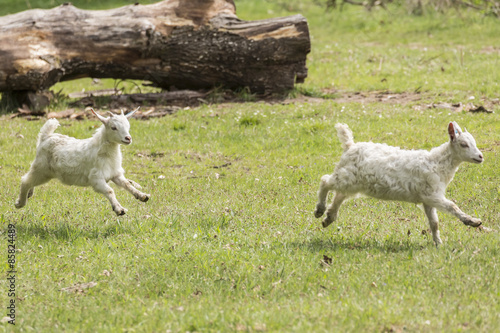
[390, 173]
[90, 162]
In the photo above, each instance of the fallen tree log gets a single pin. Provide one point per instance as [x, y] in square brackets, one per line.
[189, 44]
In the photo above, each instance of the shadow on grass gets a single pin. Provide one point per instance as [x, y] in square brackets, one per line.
[69, 232]
[393, 244]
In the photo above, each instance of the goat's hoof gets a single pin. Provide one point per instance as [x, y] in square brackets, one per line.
[120, 211]
[320, 210]
[19, 204]
[473, 222]
[30, 192]
[145, 198]
[326, 222]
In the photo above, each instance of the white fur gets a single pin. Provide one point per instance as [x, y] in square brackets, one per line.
[390, 173]
[89, 162]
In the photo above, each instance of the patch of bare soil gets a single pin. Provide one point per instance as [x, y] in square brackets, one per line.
[419, 100]
[490, 50]
[356, 97]
[301, 99]
[376, 97]
[157, 104]
[169, 102]
[459, 107]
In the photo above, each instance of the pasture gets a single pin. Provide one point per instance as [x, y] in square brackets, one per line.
[228, 241]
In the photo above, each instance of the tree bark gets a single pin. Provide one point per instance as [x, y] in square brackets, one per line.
[189, 44]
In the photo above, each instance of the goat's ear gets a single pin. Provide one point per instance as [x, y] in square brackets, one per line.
[130, 114]
[101, 118]
[454, 130]
[457, 128]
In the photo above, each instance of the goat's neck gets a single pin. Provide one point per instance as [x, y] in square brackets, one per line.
[446, 160]
[106, 147]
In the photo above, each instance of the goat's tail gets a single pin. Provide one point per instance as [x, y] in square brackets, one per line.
[345, 136]
[47, 129]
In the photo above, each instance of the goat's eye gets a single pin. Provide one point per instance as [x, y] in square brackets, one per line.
[113, 128]
[464, 145]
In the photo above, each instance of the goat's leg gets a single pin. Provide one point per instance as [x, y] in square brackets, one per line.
[134, 184]
[331, 214]
[448, 206]
[431, 213]
[127, 184]
[100, 186]
[28, 182]
[324, 188]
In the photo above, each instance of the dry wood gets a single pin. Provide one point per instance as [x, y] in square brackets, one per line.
[189, 44]
[95, 93]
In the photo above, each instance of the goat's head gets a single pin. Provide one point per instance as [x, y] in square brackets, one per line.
[117, 127]
[463, 144]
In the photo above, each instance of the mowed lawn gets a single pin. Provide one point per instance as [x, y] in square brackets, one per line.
[228, 241]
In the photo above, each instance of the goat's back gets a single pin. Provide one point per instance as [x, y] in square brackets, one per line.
[386, 172]
[76, 161]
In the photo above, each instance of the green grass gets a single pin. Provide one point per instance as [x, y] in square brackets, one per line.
[357, 50]
[216, 249]
[228, 241]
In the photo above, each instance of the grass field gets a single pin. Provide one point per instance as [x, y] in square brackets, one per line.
[228, 241]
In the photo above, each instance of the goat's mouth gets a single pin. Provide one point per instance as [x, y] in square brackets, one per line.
[477, 160]
[126, 142]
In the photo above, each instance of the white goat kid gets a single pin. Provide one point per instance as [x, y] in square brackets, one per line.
[390, 173]
[89, 162]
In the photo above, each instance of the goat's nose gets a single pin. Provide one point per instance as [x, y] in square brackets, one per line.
[481, 156]
[127, 140]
